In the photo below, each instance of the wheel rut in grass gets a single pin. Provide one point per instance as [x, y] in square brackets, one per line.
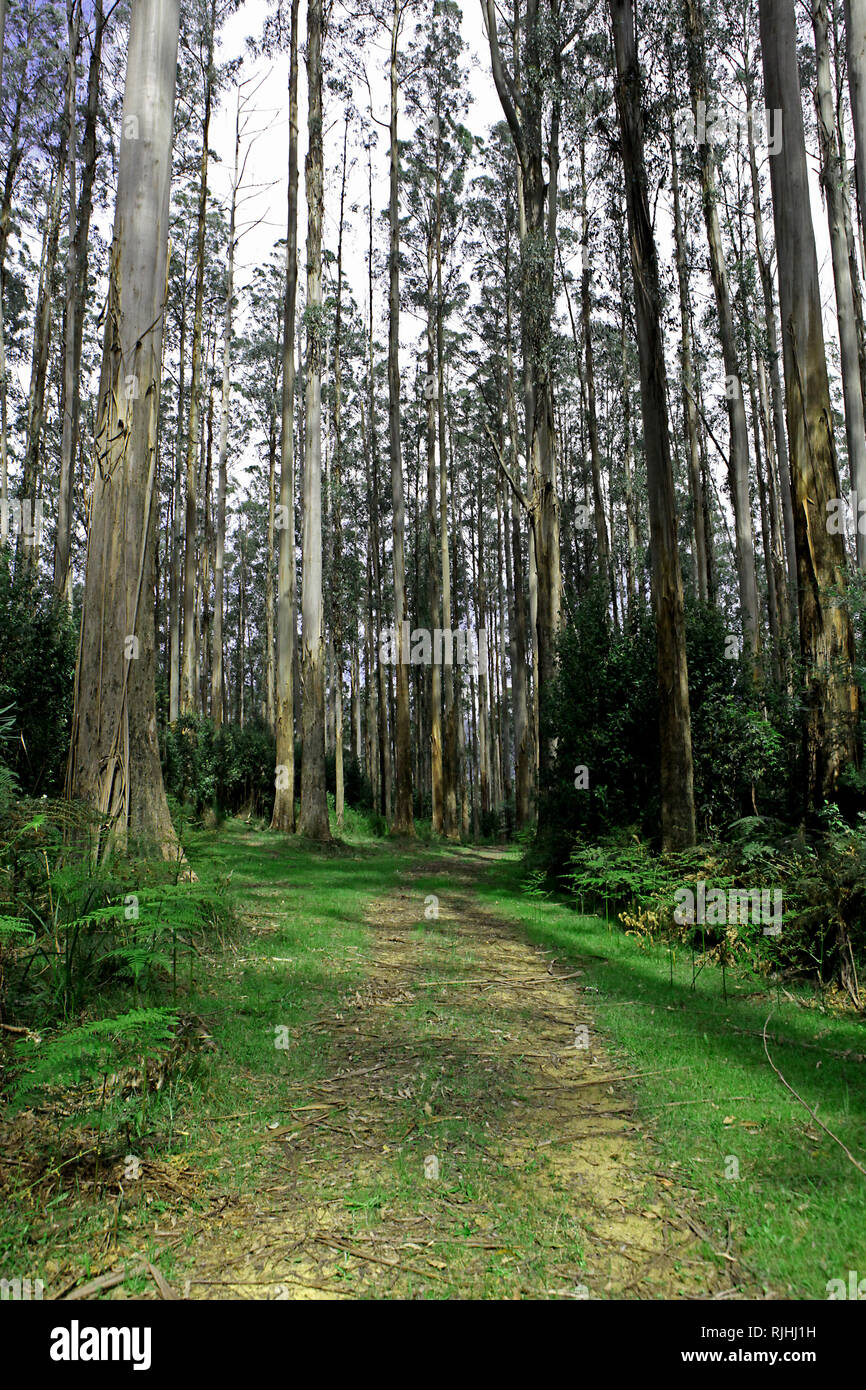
[471, 1137]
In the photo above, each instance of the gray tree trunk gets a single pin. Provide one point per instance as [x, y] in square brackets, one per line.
[283, 817]
[313, 819]
[677, 777]
[114, 755]
[826, 634]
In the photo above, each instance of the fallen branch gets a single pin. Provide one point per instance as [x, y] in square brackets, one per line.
[797, 1096]
[377, 1259]
[630, 1076]
[165, 1290]
[105, 1281]
[498, 980]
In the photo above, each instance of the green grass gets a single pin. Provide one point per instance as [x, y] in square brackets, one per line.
[244, 995]
[797, 1212]
[796, 1216]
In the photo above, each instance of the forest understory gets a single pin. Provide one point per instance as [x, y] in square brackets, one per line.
[387, 1090]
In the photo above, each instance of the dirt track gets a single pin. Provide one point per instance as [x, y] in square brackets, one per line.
[467, 1046]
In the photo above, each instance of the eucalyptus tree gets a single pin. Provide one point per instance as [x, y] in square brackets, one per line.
[283, 817]
[677, 773]
[826, 634]
[114, 756]
[77, 262]
[738, 450]
[530, 93]
[34, 141]
[435, 172]
[313, 819]
[833, 184]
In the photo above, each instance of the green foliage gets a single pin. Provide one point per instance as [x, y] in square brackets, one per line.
[75, 935]
[604, 712]
[8, 781]
[356, 786]
[821, 877]
[691, 1037]
[90, 1052]
[227, 769]
[37, 666]
[93, 959]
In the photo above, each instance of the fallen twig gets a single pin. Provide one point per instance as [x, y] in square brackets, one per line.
[105, 1281]
[504, 980]
[165, 1289]
[797, 1096]
[377, 1259]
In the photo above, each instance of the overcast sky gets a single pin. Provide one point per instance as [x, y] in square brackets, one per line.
[268, 161]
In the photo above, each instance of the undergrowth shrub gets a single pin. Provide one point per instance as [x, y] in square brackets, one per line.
[37, 665]
[95, 960]
[821, 877]
[225, 770]
[603, 711]
[91, 1052]
[8, 780]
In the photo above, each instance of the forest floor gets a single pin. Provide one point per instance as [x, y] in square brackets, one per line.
[457, 1052]
[417, 1083]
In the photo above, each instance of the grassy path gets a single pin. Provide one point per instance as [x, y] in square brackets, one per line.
[418, 1081]
[448, 1123]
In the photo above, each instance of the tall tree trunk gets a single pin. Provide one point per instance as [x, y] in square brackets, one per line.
[449, 704]
[604, 565]
[313, 820]
[503, 595]
[16, 147]
[483, 744]
[437, 789]
[28, 542]
[840, 117]
[270, 669]
[403, 820]
[216, 694]
[517, 623]
[114, 755]
[337, 505]
[677, 778]
[775, 357]
[532, 134]
[176, 531]
[738, 460]
[205, 565]
[242, 627]
[284, 799]
[71, 391]
[4, 463]
[371, 666]
[831, 179]
[826, 635]
[634, 566]
[855, 30]
[372, 453]
[188, 685]
[690, 410]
